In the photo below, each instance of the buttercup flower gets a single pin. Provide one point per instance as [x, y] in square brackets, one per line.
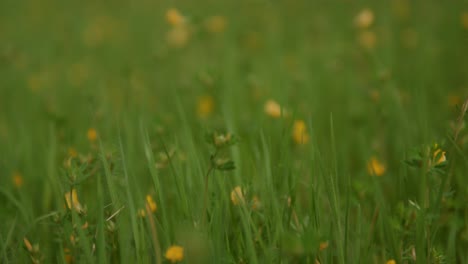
[237, 196]
[72, 201]
[391, 261]
[215, 24]
[323, 245]
[375, 167]
[300, 134]
[205, 106]
[367, 39]
[92, 134]
[364, 19]
[17, 179]
[151, 203]
[464, 19]
[175, 253]
[438, 156]
[272, 108]
[174, 17]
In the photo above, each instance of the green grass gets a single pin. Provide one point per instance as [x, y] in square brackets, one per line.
[389, 91]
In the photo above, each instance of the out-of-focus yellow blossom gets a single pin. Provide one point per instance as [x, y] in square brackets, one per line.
[151, 203]
[256, 204]
[300, 134]
[438, 156]
[237, 196]
[367, 39]
[273, 109]
[391, 261]
[323, 245]
[454, 100]
[375, 167]
[215, 24]
[68, 256]
[17, 179]
[141, 213]
[175, 253]
[178, 36]
[73, 202]
[205, 106]
[92, 134]
[72, 152]
[364, 19]
[175, 18]
[464, 19]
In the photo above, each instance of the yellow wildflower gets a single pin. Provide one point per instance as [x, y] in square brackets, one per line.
[17, 179]
[323, 245]
[175, 253]
[68, 256]
[141, 213]
[439, 156]
[272, 108]
[205, 106]
[367, 39]
[215, 24]
[454, 100]
[256, 204]
[391, 261]
[151, 203]
[300, 134]
[178, 36]
[464, 19]
[174, 17]
[72, 152]
[72, 201]
[27, 244]
[364, 19]
[375, 167]
[237, 196]
[92, 134]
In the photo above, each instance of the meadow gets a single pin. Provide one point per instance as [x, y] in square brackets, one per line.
[249, 131]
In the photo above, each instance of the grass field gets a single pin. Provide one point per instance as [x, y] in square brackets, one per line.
[247, 131]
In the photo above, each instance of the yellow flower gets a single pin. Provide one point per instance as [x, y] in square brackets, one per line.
[367, 39]
[17, 179]
[391, 261]
[178, 36]
[175, 253]
[151, 203]
[272, 108]
[237, 196]
[464, 19]
[72, 152]
[141, 213]
[439, 156]
[92, 134]
[300, 134]
[323, 245]
[174, 17]
[68, 256]
[72, 201]
[256, 204]
[205, 106]
[364, 19]
[375, 167]
[215, 24]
